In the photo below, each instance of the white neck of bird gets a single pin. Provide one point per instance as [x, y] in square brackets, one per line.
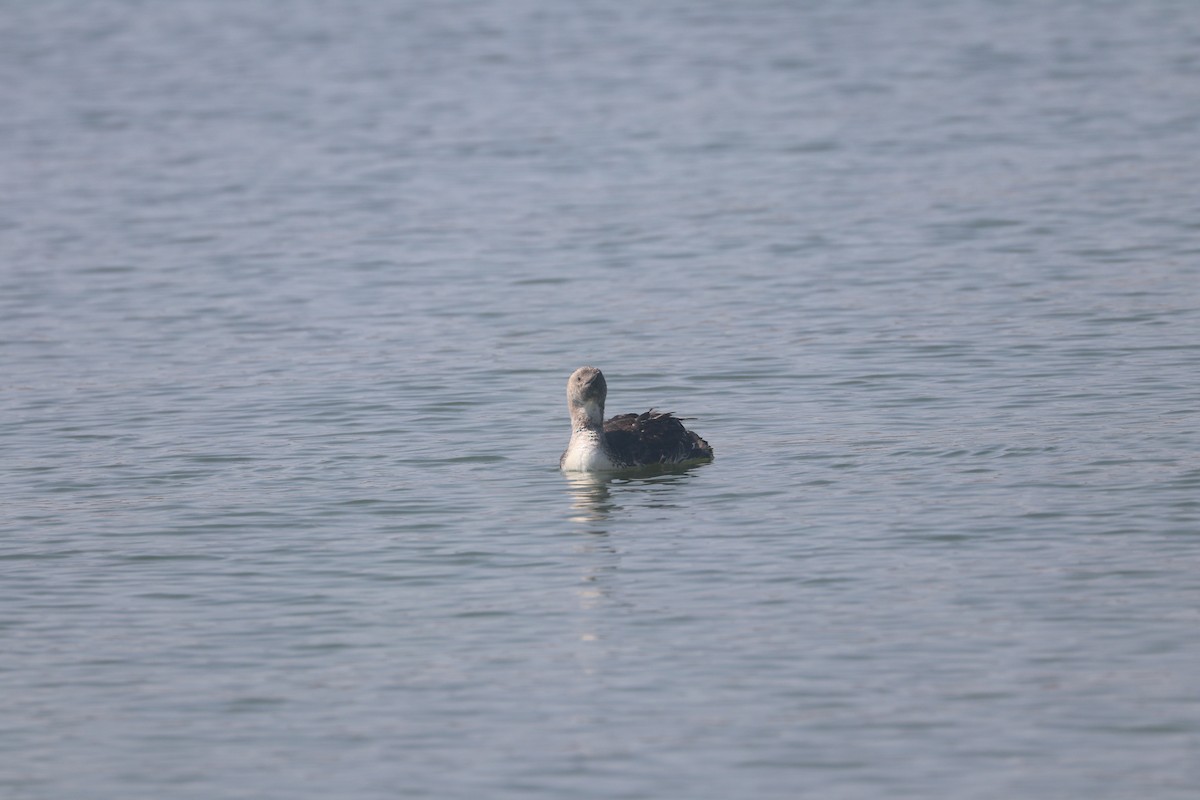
[587, 416]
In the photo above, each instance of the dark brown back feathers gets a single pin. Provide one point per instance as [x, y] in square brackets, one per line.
[653, 437]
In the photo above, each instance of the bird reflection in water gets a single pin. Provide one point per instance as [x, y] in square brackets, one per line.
[591, 500]
[594, 499]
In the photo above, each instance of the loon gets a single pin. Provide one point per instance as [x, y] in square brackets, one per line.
[625, 441]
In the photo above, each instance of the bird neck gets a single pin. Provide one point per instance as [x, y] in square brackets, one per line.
[587, 416]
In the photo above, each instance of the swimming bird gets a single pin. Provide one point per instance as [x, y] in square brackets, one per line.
[625, 441]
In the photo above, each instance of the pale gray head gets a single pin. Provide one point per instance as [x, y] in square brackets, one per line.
[586, 391]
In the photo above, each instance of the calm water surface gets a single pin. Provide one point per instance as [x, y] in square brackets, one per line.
[289, 293]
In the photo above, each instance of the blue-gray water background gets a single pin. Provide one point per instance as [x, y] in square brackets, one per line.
[289, 292]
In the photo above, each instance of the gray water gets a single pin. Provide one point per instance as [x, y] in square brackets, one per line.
[289, 293]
